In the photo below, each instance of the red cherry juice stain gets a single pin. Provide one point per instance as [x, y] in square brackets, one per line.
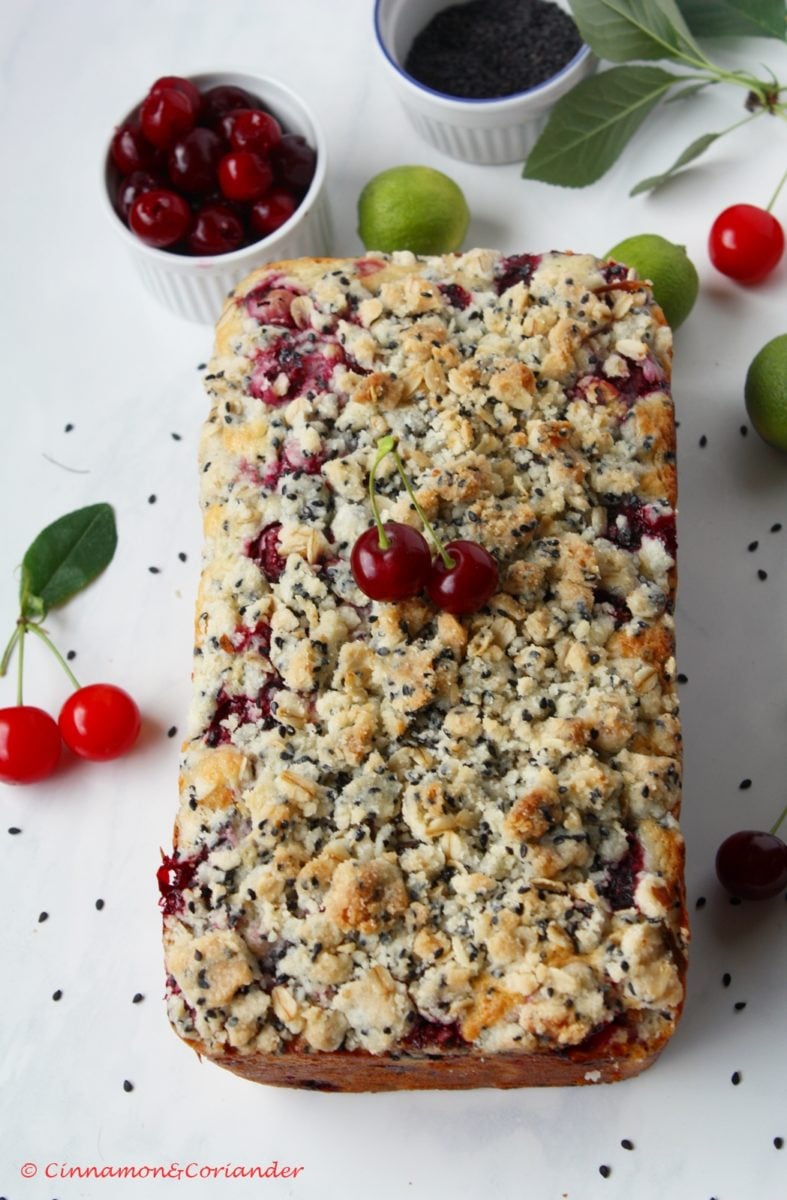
[270, 303]
[621, 882]
[264, 550]
[258, 638]
[368, 266]
[629, 523]
[457, 296]
[426, 1035]
[249, 710]
[175, 875]
[517, 268]
[296, 356]
[620, 610]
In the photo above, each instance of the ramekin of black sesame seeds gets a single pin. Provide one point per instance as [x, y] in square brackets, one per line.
[478, 80]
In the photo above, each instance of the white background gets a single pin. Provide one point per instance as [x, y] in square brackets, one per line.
[84, 345]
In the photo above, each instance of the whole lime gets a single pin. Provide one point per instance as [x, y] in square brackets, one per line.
[669, 269]
[765, 392]
[412, 208]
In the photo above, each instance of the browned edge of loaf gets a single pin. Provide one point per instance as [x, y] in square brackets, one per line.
[343, 1071]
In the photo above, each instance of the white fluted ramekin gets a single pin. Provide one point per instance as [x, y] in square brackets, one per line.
[480, 131]
[195, 287]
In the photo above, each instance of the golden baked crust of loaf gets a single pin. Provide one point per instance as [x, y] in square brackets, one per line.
[415, 849]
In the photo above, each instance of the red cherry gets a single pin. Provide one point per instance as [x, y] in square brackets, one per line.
[467, 585]
[29, 744]
[185, 86]
[746, 243]
[395, 573]
[99, 722]
[752, 865]
[253, 129]
[271, 211]
[294, 161]
[165, 116]
[222, 99]
[194, 160]
[244, 175]
[129, 150]
[132, 186]
[216, 230]
[159, 217]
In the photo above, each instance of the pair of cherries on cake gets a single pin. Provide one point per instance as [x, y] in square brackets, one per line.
[393, 561]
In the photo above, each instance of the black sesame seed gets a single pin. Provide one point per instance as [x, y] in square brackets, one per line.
[735, 901]
[752, 546]
[58, 995]
[71, 655]
[173, 729]
[776, 527]
[778, 1142]
[99, 904]
[201, 366]
[14, 829]
[69, 427]
[627, 1144]
[744, 430]
[605, 1171]
[182, 556]
[43, 916]
[703, 440]
[155, 570]
[735, 1078]
[744, 785]
[701, 902]
[726, 979]
[762, 574]
[739, 1005]
[175, 437]
[128, 1086]
[152, 498]
[681, 678]
[137, 998]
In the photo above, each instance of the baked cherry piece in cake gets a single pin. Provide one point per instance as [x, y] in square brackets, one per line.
[429, 837]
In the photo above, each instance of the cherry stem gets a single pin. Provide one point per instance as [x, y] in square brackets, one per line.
[384, 446]
[781, 818]
[38, 631]
[775, 195]
[448, 562]
[20, 664]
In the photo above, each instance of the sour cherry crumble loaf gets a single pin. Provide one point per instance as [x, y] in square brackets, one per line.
[415, 849]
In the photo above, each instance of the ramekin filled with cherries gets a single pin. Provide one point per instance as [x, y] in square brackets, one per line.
[211, 175]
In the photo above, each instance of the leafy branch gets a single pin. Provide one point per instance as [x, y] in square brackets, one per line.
[590, 126]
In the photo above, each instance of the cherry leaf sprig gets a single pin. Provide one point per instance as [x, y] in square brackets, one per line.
[590, 126]
[98, 722]
[65, 557]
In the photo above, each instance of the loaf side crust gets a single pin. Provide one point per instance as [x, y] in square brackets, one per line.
[413, 849]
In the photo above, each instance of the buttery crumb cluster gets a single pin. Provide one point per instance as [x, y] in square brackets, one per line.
[401, 831]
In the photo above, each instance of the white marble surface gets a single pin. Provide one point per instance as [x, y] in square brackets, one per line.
[83, 345]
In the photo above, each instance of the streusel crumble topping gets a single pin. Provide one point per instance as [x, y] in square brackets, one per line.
[401, 828]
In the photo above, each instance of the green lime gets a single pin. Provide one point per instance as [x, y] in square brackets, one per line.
[669, 269]
[765, 392]
[412, 208]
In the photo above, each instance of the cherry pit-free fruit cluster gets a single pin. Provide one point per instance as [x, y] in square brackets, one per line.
[393, 562]
[98, 722]
[207, 172]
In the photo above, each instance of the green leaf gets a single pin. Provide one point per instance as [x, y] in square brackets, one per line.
[625, 30]
[735, 18]
[691, 89]
[589, 126]
[697, 147]
[66, 557]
